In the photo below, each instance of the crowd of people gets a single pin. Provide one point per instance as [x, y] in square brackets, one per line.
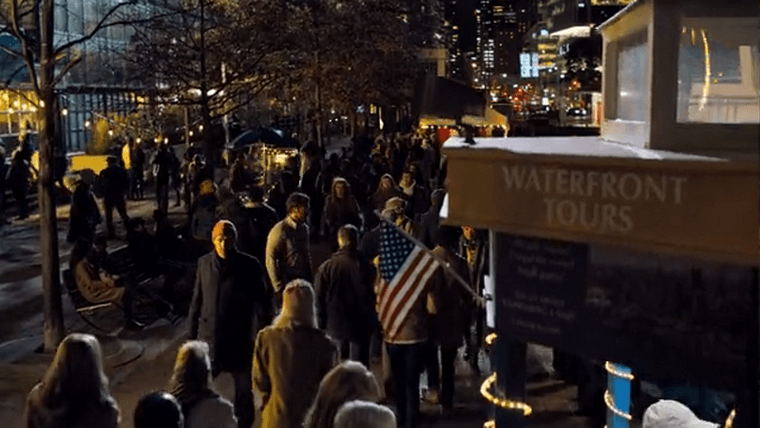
[298, 337]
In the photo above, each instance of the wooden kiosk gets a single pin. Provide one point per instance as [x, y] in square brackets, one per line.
[636, 247]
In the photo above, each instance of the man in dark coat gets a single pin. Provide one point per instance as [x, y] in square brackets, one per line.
[114, 183]
[230, 302]
[345, 300]
[430, 221]
[162, 163]
[260, 218]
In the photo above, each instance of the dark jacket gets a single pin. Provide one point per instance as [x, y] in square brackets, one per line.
[345, 299]
[84, 214]
[114, 183]
[260, 219]
[228, 301]
[450, 301]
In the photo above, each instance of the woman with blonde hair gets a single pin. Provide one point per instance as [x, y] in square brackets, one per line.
[364, 414]
[290, 359]
[74, 392]
[191, 386]
[346, 382]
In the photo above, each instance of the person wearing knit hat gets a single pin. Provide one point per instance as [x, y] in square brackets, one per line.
[290, 359]
[230, 303]
[672, 414]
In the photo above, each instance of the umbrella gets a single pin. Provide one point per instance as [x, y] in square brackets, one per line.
[269, 136]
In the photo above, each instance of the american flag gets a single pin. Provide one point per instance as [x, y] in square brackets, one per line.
[405, 268]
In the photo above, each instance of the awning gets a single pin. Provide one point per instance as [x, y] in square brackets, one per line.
[437, 121]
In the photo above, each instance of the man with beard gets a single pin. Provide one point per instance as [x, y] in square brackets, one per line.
[230, 302]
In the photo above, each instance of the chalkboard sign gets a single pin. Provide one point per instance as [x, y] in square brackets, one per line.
[669, 318]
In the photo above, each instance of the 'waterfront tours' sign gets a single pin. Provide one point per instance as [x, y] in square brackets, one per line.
[702, 208]
[667, 317]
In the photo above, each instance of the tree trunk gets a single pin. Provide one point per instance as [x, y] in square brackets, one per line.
[51, 287]
[208, 142]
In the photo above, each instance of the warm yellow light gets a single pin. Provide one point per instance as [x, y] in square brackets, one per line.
[166, 141]
[138, 141]
[10, 110]
[65, 112]
[490, 424]
[730, 419]
[613, 371]
[110, 132]
[500, 402]
[490, 339]
[611, 405]
[200, 127]
[87, 124]
[190, 133]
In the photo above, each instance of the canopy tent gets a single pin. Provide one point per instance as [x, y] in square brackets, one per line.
[268, 136]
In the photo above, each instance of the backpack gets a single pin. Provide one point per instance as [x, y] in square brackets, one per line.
[204, 219]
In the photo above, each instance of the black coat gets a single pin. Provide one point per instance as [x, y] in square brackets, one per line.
[230, 303]
[114, 183]
[345, 300]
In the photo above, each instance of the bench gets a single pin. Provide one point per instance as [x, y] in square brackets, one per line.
[81, 305]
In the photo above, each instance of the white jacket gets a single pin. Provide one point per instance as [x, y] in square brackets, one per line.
[213, 412]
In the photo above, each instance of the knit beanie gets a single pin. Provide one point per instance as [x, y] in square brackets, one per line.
[221, 227]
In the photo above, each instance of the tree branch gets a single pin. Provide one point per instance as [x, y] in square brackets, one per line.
[66, 68]
[28, 55]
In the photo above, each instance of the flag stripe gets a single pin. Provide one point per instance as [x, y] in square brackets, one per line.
[392, 288]
[404, 308]
[408, 286]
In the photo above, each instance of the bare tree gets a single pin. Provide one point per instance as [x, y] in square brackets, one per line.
[31, 23]
[216, 56]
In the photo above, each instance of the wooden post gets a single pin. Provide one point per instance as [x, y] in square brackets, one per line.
[49, 261]
[511, 354]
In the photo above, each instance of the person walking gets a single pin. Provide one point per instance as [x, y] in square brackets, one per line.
[162, 166]
[261, 219]
[84, 214]
[345, 298]
[159, 410]
[114, 183]
[341, 208]
[348, 381]
[386, 190]
[74, 392]
[287, 256]
[136, 171]
[229, 302]
[17, 178]
[449, 305]
[3, 173]
[291, 358]
[190, 384]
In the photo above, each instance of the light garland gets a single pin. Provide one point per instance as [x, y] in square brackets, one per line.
[730, 419]
[490, 339]
[500, 402]
[613, 371]
[611, 405]
[490, 424]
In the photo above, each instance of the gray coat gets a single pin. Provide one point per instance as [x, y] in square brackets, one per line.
[288, 255]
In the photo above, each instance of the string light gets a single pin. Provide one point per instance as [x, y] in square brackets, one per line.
[501, 402]
[730, 419]
[611, 405]
[491, 424]
[614, 371]
[490, 339]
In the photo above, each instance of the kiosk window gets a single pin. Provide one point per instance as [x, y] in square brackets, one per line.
[633, 79]
[718, 69]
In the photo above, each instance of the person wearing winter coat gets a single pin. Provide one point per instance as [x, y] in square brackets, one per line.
[415, 194]
[348, 381]
[429, 222]
[341, 208]
[163, 162]
[74, 393]
[159, 410]
[114, 183]
[203, 215]
[190, 384]
[291, 358]
[287, 256]
[386, 190]
[260, 219]
[17, 179]
[229, 302]
[448, 306]
[84, 214]
[406, 352]
[345, 300]
[364, 414]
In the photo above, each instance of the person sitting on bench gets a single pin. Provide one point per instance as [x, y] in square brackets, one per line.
[98, 286]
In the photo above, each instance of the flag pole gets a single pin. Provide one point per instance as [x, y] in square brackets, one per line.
[479, 299]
